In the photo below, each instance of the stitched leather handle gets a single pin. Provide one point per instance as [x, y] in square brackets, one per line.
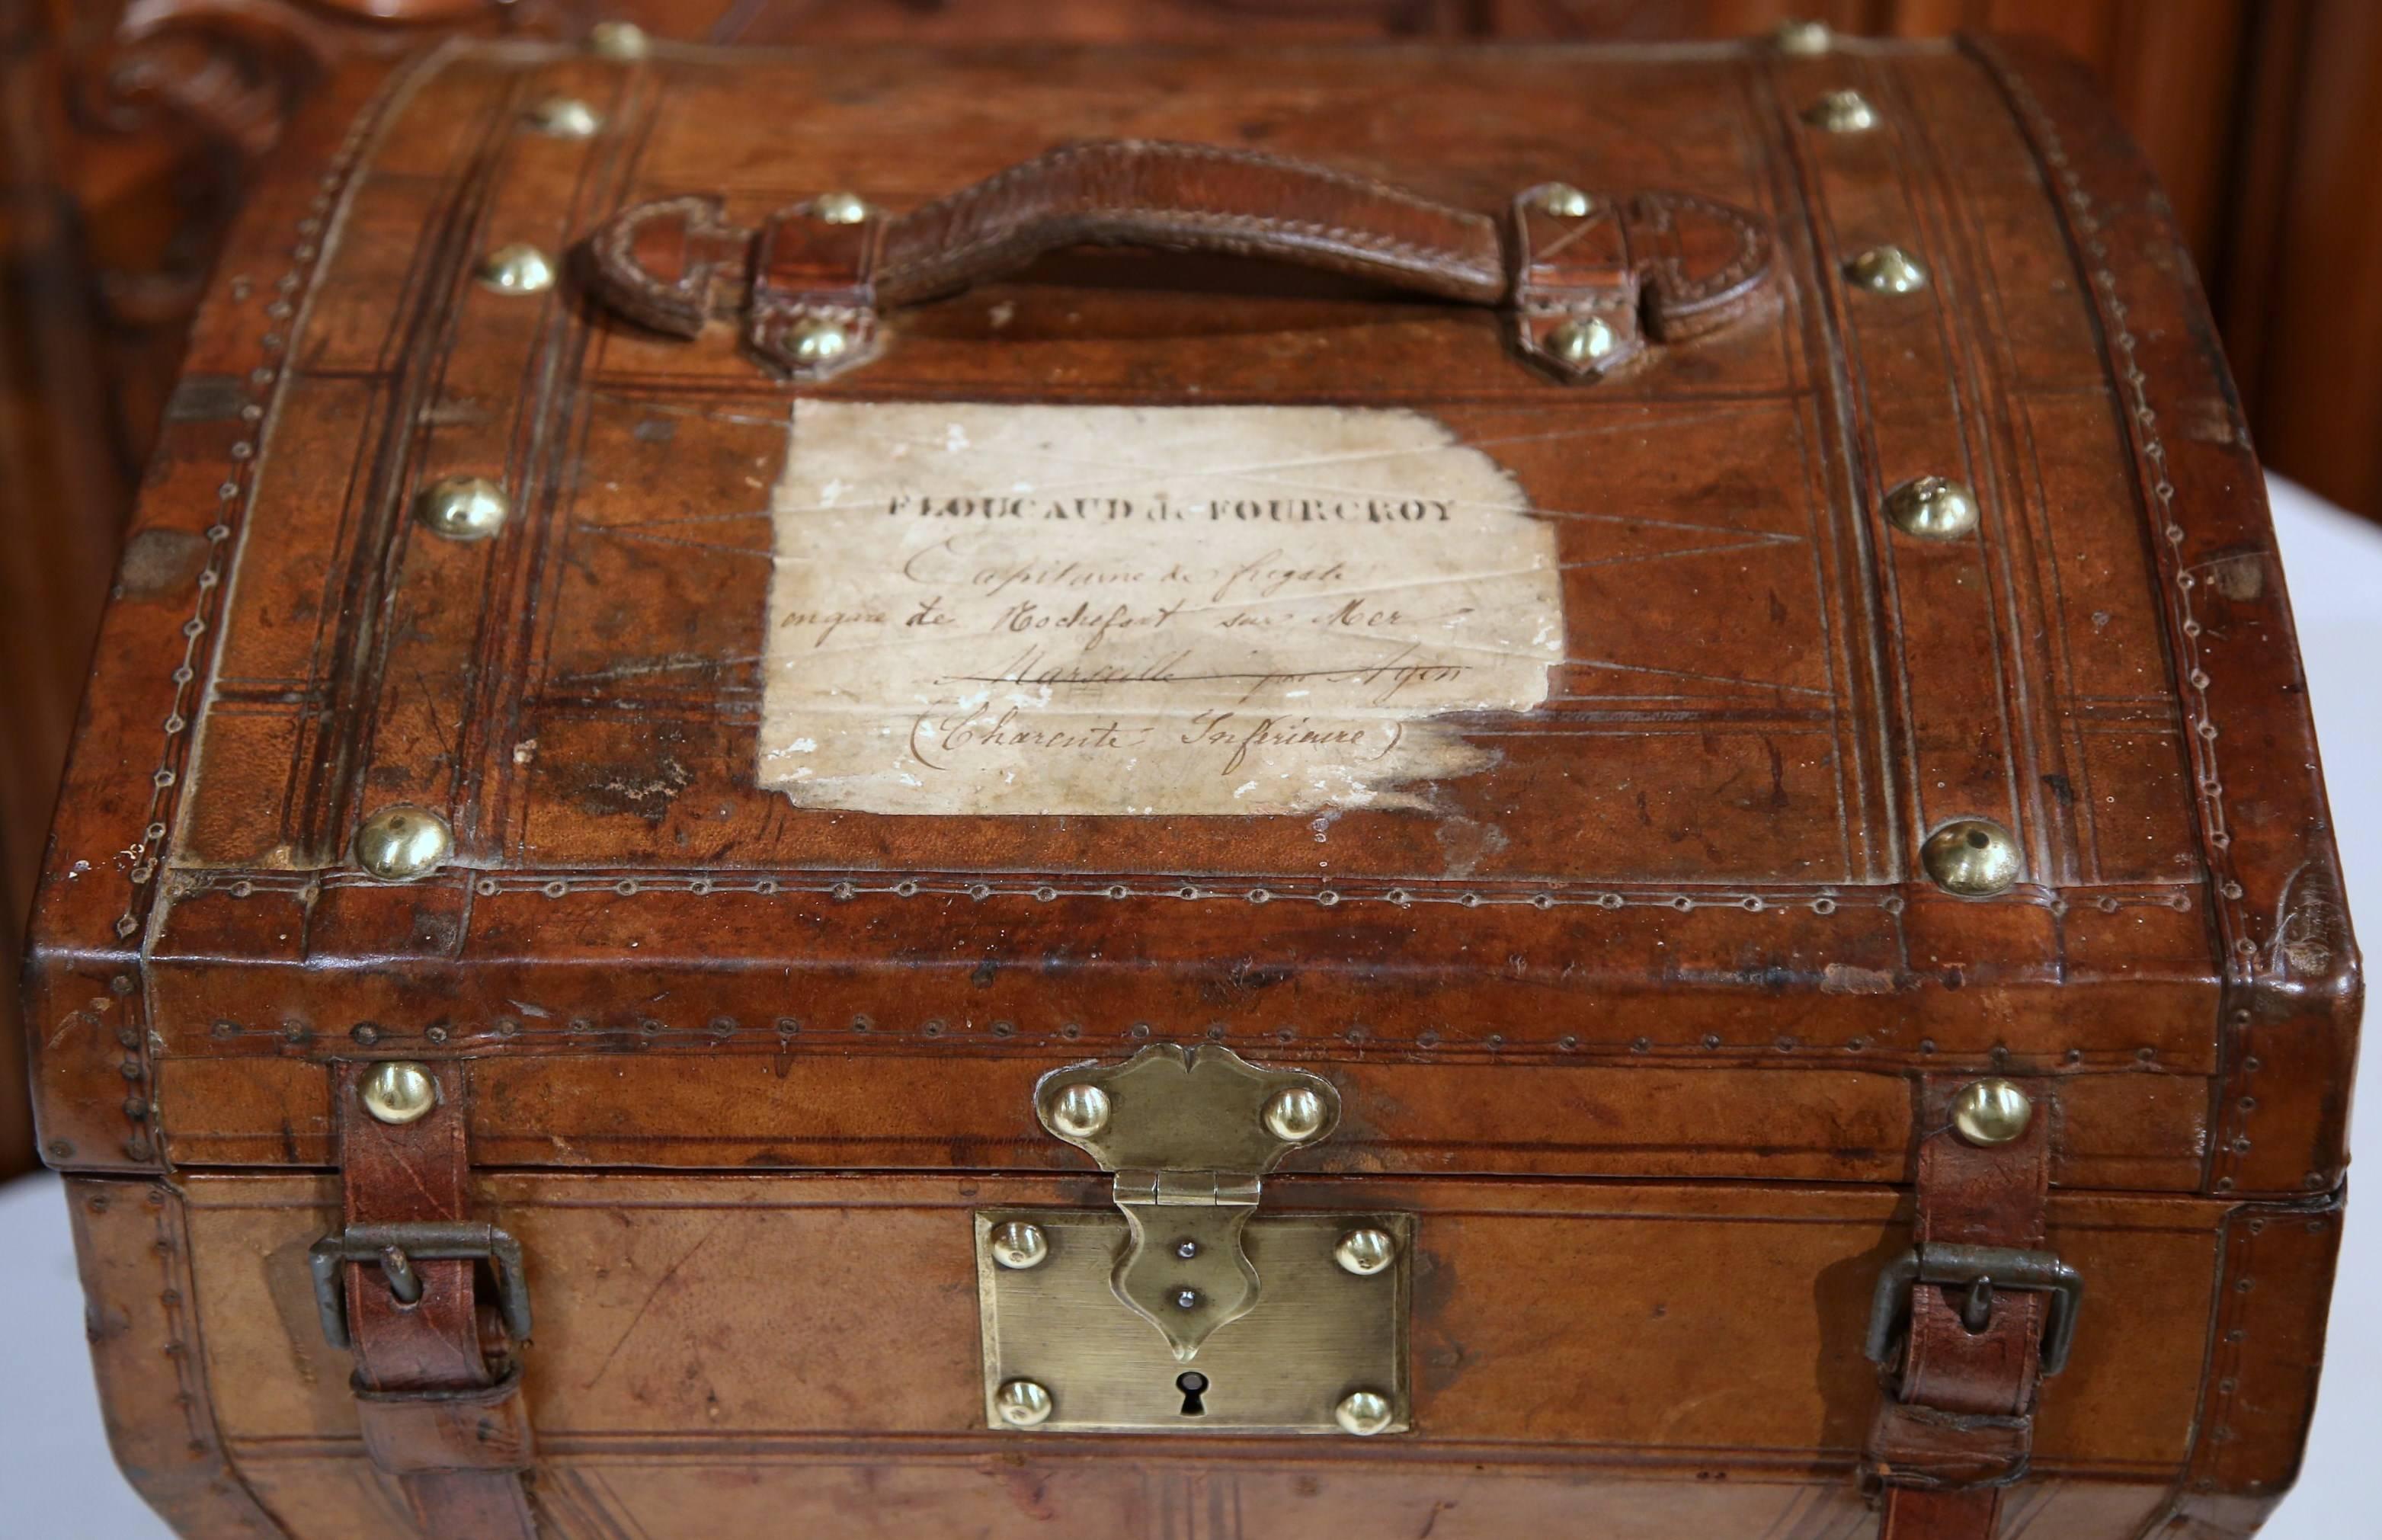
[1189, 197]
[1588, 279]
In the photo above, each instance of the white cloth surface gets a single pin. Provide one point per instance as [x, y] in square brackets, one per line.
[59, 1482]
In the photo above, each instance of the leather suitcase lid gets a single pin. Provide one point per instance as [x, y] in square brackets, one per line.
[891, 728]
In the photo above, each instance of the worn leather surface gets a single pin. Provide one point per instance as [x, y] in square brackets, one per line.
[1677, 933]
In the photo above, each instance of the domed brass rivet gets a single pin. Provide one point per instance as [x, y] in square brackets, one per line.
[564, 118]
[1991, 1111]
[1017, 1245]
[1295, 1114]
[516, 269]
[839, 208]
[1841, 112]
[1022, 1403]
[1887, 270]
[1802, 37]
[1582, 341]
[463, 508]
[1363, 1413]
[619, 39]
[400, 843]
[1973, 857]
[398, 1092]
[1933, 508]
[1565, 201]
[820, 341]
[1080, 1111]
[1365, 1252]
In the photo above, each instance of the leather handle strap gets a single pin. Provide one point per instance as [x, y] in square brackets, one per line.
[1588, 279]
[439, 1402]
[1196, 198]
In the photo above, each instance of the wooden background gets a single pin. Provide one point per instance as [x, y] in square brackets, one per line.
[126, 130]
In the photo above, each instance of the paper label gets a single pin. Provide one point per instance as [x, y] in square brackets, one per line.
[1019, 609]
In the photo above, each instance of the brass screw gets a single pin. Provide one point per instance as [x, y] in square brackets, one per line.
[820, 343]
[1080, 1111]
[1583, 342]
[1841, 112]
[1018, 1246]
[1022, 1403]
[400, 843]
[1973, 857]
[564, 118]
[1887, 270]
[1363, 1413]
[1295, 1114]
[619, 39]
[1365, 1252]
[1933, 508]
[398, 1092]
[519, 268]
[463, 508]
[1991, 1111]
[839, 208]
[1565, 201]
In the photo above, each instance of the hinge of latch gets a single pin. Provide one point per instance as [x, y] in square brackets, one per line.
[1188, 1133]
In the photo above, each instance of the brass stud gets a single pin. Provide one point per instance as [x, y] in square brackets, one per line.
[400, 843]
[1022, 1404]
[1365, 1252]
[1018, 1246]
[1080, 1111]
[619, 39]
[1363, 1413]
[1841, 112]
[564, 118]
[519, 268]
[1565, 201]
[1933, 508]
[1583, 342]
[398, 1092]
[1973, 857]
[839, 208]
[1887, 270]
[1295, 1114]
[820, 343]
[463, 508]
[1802, 38]
[1991, 1111]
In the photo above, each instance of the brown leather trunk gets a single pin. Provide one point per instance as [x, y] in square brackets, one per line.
[747, 687]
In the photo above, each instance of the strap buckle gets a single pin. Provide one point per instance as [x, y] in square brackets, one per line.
[395, 1248]
[1981, 1270]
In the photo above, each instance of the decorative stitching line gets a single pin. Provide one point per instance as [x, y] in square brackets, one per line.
[2087, 223]
[1399, 892]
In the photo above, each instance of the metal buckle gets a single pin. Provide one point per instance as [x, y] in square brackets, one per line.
[395, 1248]
[1981, 1270]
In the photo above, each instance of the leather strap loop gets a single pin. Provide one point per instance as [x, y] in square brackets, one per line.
[436, 1412]
[1957, 1427]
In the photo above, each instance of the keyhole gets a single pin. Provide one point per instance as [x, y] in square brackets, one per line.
[1193, 1385]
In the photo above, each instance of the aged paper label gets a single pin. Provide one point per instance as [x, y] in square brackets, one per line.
[1014, 609]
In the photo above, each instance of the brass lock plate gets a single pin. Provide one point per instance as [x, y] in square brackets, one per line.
[1318, 1342]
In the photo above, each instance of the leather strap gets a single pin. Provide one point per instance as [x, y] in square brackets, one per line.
[1957, 1427]
[1664, 265]
[450, 1424]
